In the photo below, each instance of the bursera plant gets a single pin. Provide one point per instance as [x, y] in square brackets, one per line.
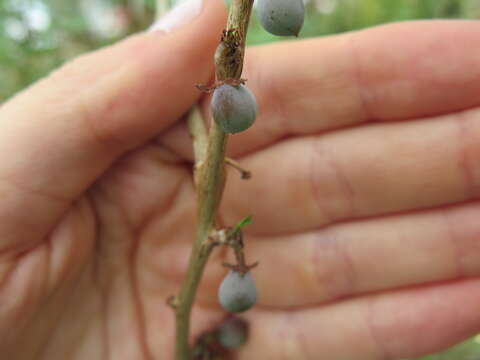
[234, 110]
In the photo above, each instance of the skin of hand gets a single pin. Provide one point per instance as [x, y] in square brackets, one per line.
[366, 175]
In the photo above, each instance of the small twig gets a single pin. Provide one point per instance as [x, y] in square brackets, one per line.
[235, 241]
[211, 174]
[244, 173]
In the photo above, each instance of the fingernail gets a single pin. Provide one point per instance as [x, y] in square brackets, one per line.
[181, 14]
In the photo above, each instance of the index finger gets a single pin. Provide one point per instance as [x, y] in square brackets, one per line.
[64, 132]
[393, 72]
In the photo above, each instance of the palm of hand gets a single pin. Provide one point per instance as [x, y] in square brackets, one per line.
[96, 286]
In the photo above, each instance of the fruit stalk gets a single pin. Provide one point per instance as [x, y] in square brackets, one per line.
[210, 180]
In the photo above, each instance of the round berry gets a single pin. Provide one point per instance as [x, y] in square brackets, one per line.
[233, 333]
[238, 292]
[234, 108]
[281, 17]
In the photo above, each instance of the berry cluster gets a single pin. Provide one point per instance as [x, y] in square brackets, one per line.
[234, 109]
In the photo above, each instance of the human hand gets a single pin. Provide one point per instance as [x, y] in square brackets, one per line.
[366, 163]
[91, 198]
[362, 228]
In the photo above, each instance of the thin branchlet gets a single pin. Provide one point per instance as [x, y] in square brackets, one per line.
[211, 173]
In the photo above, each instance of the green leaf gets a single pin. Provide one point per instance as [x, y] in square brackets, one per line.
[244, 222]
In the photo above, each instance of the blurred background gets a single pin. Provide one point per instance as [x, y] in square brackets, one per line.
[37, 36]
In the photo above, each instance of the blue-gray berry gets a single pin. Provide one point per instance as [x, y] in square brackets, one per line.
[281, 17]
[237, 292]
[233, 333]
[234, 108]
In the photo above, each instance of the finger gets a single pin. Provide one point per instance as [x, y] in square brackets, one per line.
[359, 172]
[60, 135]
[350, 79]
[393, 72]
[396, 325]
[352, 259]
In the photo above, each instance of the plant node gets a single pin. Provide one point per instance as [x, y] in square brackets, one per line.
[172, 301]
[231, 81]
[241, 268]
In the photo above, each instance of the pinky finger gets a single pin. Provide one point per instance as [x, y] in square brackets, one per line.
[395, 325]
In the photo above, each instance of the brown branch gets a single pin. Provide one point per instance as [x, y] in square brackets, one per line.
[211, 174]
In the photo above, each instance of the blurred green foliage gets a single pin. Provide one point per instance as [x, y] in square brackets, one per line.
[37, 36]
[335, 16]
[469, 350]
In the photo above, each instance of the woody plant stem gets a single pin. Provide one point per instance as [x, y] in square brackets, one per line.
[210, 173]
